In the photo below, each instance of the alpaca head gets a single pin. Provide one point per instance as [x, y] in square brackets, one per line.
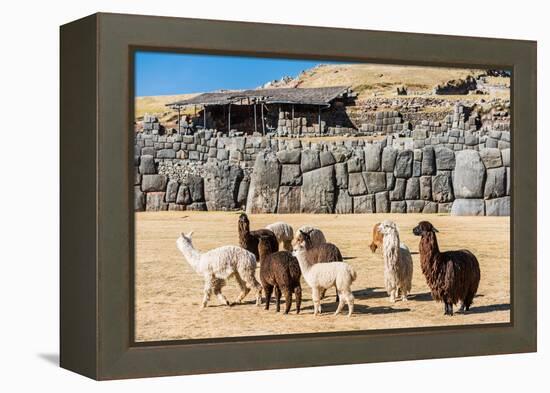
[185, 241]
[302, 240]
[423, 228]
[373, 247]
[244, 223]
[387, 227]
[265, 246]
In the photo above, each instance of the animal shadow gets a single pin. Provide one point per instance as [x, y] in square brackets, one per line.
[370, 293]
[488, 308]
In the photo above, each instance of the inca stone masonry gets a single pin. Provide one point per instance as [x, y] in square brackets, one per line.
[461, 169]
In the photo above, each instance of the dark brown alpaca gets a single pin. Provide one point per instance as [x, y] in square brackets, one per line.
[249, 239]
[321, 253]
[279, 270]
[452, 276]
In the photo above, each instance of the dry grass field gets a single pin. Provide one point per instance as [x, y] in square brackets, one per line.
[168, 292]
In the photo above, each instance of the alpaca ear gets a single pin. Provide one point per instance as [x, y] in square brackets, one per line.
[435, 230]
[190, 235]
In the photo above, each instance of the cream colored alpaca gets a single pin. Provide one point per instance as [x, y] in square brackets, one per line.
[315, 234]
[321, 276]
[218, 265]
[398, 266]
[283, 232]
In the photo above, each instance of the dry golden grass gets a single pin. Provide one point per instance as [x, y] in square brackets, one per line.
[169, 292]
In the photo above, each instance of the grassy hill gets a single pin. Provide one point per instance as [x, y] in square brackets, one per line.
[368, 80]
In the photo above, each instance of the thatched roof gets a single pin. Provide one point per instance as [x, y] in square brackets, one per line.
[304, 96]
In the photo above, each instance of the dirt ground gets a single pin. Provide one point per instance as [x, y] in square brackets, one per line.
[168, 292]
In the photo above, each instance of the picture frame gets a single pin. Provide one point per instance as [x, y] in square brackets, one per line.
[96, 203]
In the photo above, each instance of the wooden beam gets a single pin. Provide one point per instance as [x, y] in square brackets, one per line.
[255, 124]
[263, 120]
[229, 119]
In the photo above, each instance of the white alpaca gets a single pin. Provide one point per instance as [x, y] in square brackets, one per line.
[283, 232]
[315, 234]
[321, 276]
[218, 265]
[398, 266]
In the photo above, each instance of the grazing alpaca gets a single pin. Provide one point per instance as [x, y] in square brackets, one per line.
[321, 276]
[377, 238]
[398, 265]
[279, 270]
[452, 276]
[283, 232]
[317, 237]
[249, 239]
[320, 253]
[218, 265]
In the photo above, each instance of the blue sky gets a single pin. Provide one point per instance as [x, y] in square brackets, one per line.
[160, 73]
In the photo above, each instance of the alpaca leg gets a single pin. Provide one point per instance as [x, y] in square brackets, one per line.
[404, 295]
[268, 290]
[298, 293]
[323, 292]
[244, 288]
[207, 291]
[349, 300]
[340, 306]
[218, 285]
[288, 299]
[392, 295]
[448, 308]
[315, 294]
[277, 298]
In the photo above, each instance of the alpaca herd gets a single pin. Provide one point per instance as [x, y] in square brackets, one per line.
[452, 276]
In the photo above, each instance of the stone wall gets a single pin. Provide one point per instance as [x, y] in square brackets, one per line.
[461, 172]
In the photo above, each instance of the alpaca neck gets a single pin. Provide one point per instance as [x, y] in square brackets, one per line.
[429, 248]
[302, 261]
[391, 247]
[191, 255]
[244, 232]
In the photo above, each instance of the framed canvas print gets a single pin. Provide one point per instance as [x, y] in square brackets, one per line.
[241, 196]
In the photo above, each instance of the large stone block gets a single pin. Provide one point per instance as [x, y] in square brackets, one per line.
[469, 175]
[372, 156]
[425, 188]
[242, 194]
[356, 184]
[415, 206]
[172, 191]
[428, 161]
[495, 185]
[166, 154]
[184, 195]
[147, 165]
[389, 155]
[508, 180]
[289, 156]
[344, 203]
[505, 153]
[155, 202]
[139, 200]
[491, 157]
[412, 191]
[318, 191]
[291, 175]
[398, 207]
[196, 187]
[289, 200]
[354, 165]
[444, 158]
[221, 186]
[382, 202]
[498, 206]
[151, 183]
[430, 208]
[376, 181]
[403, 164]
[442, 188]
[444, 208]
[326, 158]
[364, 204]
[310, 160]
[398, 192]
[264, 184]
[341, 173]
[468, 207]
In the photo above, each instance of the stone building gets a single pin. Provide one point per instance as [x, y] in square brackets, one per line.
[288, 111]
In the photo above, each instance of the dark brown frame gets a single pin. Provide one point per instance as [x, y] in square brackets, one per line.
[96, 196]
